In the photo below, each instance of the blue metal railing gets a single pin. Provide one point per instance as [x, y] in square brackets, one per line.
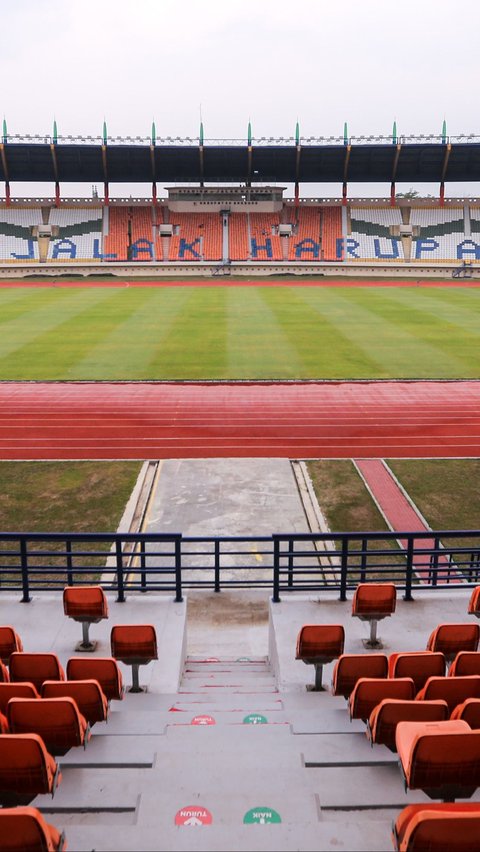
[281, 563]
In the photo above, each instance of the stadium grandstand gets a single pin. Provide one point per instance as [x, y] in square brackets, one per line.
[176, 686]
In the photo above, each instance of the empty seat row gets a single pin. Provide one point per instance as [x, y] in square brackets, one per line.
[88, 695]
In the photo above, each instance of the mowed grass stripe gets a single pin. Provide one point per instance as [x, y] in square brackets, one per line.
[256, 335]
[44, 344]
[390, 338]
[322, 347]
[460, 319]
[142, 322]
[195, 346]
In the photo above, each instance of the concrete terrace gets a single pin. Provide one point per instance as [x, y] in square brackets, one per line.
[155, 761]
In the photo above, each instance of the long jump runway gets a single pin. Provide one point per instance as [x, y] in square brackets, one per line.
[194, 420]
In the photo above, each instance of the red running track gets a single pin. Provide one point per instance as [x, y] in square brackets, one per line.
[192, 420]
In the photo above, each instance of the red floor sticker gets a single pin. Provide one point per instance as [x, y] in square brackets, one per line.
[193, 815]
[203, 720]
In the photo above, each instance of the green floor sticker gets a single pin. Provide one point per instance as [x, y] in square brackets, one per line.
[261, 816]
[255, 719]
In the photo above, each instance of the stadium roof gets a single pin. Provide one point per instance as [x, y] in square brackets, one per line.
[229, 161]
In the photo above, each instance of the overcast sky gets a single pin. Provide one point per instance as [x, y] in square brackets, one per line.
[366, 62]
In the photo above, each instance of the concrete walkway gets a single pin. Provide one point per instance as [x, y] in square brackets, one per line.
[228, 497]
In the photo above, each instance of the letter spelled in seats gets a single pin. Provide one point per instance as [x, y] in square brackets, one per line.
[369, 692]
[349, 668]
[440, 758]
[103, 669]
[385, 717]
[57, 720]
[24, 829]
[9, 642]
[453, 826]
[318, 644]
[35, 668]
[449, 639]
[419, 665]
[87, 694]
[26, 769]
[453, 690]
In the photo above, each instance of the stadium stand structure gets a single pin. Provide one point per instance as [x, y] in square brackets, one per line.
[305, 234]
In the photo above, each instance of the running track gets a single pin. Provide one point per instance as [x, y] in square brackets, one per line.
[190, 420]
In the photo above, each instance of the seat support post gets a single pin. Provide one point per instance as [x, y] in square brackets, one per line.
[86, 644]
[373, 631]
[318, 677]
[135, 687]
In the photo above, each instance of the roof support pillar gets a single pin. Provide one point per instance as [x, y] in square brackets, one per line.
[7, 193]
[442, 194]
[446, 158]
[57, 194]
[348, 150]
[3, 155]
[393, 199]
[106, 197]
[394, 172]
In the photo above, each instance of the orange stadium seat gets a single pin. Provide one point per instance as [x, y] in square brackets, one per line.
[419, 665]
[135, 645]
[4, 729]
[331, 232]
[199, 237]
[318, 644]
[465, 663]
[351, 667]
[440, 758]
[385, 717]
[88, 695]
[304, 244]
[239, 248]
[35, 668]
[449, 639]
[26, 769]
[474, 603]
[9, 642]
[88, 605]
[56, 720]
[265, 242]
[116, 241]
[15, 690]
[105, 670]
[452, 826]
[453, 690]
[370, 691]
[372, 602]
[469, 711]
[24, 829]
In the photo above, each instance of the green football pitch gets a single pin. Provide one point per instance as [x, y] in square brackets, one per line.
[235, 332]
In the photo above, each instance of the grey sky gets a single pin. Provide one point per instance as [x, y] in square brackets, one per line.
[364, 61]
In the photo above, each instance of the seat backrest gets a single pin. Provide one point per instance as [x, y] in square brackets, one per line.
[453, 690]
[134, 642]
[369, 692]
[26, 767]
[25, 830]
[56, 720]
[449, 639]
[445, 825]
[85, 602]
[465, 663]
[4, 675]
[35, 668]
[320, 641]
[374, 598]
[418, 665]
[440, 756]
[385, 717]
[474, 602]
[87, 694]
[351, 667]
[103, 669]
[469, 711]
[15, 690]
[9, 642]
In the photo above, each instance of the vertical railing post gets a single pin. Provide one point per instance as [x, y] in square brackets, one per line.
[68, 549]
[434, 562]
[120, 578]
[217, 565]
[178, 571]
[290, 563]
[143, 567]
[276, 571]
[24, 565]
[409, 571]
[363, 564]
[344, 569]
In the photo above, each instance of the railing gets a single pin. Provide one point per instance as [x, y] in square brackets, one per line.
[281, 563]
